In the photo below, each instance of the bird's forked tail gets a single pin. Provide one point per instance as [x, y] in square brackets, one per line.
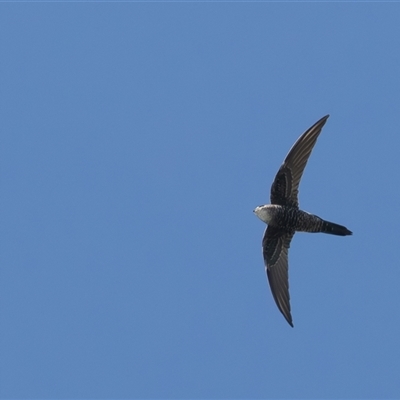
[335, 229]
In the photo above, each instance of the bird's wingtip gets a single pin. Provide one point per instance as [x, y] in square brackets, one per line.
[289, 320]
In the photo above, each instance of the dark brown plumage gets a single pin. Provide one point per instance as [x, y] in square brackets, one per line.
[284, 217]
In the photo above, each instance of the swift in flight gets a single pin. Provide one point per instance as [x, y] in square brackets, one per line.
[284, 217]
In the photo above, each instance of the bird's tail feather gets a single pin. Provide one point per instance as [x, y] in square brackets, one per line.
[335, 229]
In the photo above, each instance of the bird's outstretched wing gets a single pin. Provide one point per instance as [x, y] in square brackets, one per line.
[285, 188]
[275, 246]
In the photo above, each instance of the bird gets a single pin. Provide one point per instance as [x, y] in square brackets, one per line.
[284, 217]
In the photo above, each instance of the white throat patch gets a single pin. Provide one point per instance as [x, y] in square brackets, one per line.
[264, 213]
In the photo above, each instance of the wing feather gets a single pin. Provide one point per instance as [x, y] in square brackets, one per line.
[285, 188]
[275, 245]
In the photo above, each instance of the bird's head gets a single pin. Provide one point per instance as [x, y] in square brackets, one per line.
[263, 213]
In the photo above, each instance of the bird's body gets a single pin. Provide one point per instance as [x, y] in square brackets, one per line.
[296, 220]
[284, 217]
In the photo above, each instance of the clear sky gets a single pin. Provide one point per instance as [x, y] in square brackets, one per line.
[136, 139]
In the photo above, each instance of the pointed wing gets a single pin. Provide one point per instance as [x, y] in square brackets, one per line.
[275, 246]
[285, 188]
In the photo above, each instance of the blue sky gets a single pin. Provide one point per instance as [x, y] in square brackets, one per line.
[136, 139]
